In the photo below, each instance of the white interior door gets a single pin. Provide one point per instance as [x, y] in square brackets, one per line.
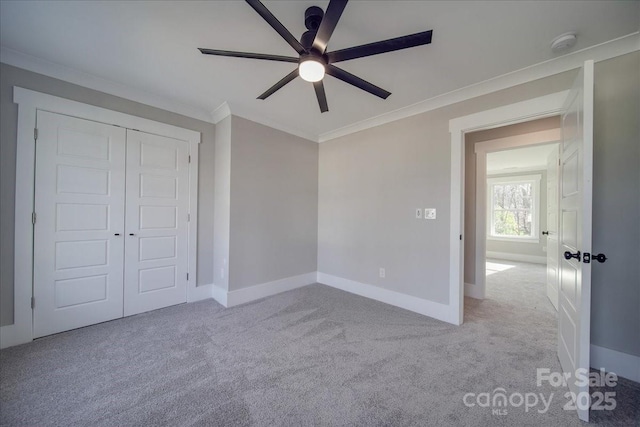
[79, 203]
[552, 227]
[576, 169]
[156, 221]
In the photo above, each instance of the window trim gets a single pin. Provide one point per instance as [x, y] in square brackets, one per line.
[535, 208]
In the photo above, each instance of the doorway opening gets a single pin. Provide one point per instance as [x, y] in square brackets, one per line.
[575, 204]
[511, 219]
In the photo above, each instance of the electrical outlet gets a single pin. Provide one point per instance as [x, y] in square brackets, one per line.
[418, 213]
[382, 273]
[430, 213]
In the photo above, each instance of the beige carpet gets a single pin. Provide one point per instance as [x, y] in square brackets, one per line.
[312, 356]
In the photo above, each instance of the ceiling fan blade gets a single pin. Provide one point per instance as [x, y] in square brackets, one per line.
[248, 55]
[322, 97]
[328, 24]
[286, 79]
[356, 81]
[404, 42]
[276, 25]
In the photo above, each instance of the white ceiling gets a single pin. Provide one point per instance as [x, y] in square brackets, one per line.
[151, 46]
[527, 158]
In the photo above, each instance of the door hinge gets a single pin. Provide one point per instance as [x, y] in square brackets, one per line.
[187, 276]
[189, 158]
[188, 217]
[33, 218]
[35, 134]
[33, 302]
[461, 237]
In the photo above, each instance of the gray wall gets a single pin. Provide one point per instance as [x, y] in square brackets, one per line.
[274, 205]
[524, 248]
[11, 76]
[615, 298]
[372, 181]
[524, 128]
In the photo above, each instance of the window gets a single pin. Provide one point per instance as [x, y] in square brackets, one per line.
[513, 203]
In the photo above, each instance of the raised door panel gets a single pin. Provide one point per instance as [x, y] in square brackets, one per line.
[79, 202]
[157, 222]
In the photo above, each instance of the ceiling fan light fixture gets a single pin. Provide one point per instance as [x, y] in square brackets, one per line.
[311, 70]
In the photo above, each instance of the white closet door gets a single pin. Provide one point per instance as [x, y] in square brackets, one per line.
[157, 199]
[79, 203]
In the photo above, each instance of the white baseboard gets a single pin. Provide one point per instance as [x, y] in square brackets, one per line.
[517, 257]
[220, 294]
[11, 335]
[252, 293]
[472, 291]
[622, 364]
[198, 293]
[417, 305]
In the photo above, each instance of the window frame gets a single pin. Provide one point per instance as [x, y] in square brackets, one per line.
[534, 180]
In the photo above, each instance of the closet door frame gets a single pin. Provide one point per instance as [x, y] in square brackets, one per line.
[29, 102]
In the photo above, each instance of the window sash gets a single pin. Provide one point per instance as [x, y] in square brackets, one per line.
[533, 210]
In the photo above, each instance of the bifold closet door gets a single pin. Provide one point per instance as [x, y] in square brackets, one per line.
[79, 228]
[157, 201]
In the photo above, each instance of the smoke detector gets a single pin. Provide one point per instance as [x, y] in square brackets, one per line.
[563, 42]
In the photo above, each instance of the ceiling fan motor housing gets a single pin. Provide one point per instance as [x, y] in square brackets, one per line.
[307, 39]
[313, 17]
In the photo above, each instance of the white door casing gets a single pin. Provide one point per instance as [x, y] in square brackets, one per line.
[552, 227]
[157, 222]
[78, 235]
[524, 111]
[576, 170]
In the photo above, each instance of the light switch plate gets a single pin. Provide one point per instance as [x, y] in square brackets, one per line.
[430, 213]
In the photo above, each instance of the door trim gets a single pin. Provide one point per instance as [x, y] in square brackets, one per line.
[536, 108]
[29, 102]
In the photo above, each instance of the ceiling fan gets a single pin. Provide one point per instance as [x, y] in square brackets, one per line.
[314, 61]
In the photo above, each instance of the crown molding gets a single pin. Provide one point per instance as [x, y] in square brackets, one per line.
[90, 81]
[601, 52]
